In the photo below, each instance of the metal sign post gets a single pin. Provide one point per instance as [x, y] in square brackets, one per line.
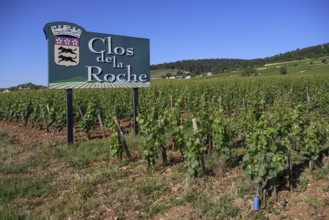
[135, 109]
[69, 115]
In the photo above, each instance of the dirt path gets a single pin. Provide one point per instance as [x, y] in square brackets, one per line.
[34, 136]
[28, 136]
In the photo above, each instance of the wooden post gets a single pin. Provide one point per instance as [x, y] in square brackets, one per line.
[195, 126]
[80, 111]
[101, 124]
[289, 171]
[308, 95]
[244, 102]
[196, 132]
[171, 104]
[122, 139]
[220, 102]
[43, 116]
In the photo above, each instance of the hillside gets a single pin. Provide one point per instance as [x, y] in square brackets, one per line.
[221, 65]
[304, 66]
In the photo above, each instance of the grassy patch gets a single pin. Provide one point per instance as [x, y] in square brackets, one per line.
[310, 200]
[321, 172]
[9, 213]
[301, 185]
[245, 189]
[51, 180]
[24, 187]
[79, 154]
[326, 187]
[7, 151]
[5, 139]
[219, 208]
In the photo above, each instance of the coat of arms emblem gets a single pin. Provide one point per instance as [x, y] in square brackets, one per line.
[66, 45]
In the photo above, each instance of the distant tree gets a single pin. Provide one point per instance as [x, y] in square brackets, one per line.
[179, 73]
[214, 70]
[311, 62]
[27, 86]
[324, 61]
[249, 71]
[283, 70]
[168, 75]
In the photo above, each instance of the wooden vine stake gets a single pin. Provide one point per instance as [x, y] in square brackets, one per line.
[195, 126]
[101, 124]
[220, 102]
[43, 116]
[122, 139]
[289, 171]
[196, 132]
[171, 105]
[308, 98]
[80, 111]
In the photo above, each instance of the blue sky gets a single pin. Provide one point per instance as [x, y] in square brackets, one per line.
[177, 29]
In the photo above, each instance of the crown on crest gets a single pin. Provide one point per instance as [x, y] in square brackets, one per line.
[66, 30]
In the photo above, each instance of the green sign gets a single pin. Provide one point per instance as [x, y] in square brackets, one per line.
[81, 59]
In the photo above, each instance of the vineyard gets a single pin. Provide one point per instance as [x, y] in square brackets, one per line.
[264, 125]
